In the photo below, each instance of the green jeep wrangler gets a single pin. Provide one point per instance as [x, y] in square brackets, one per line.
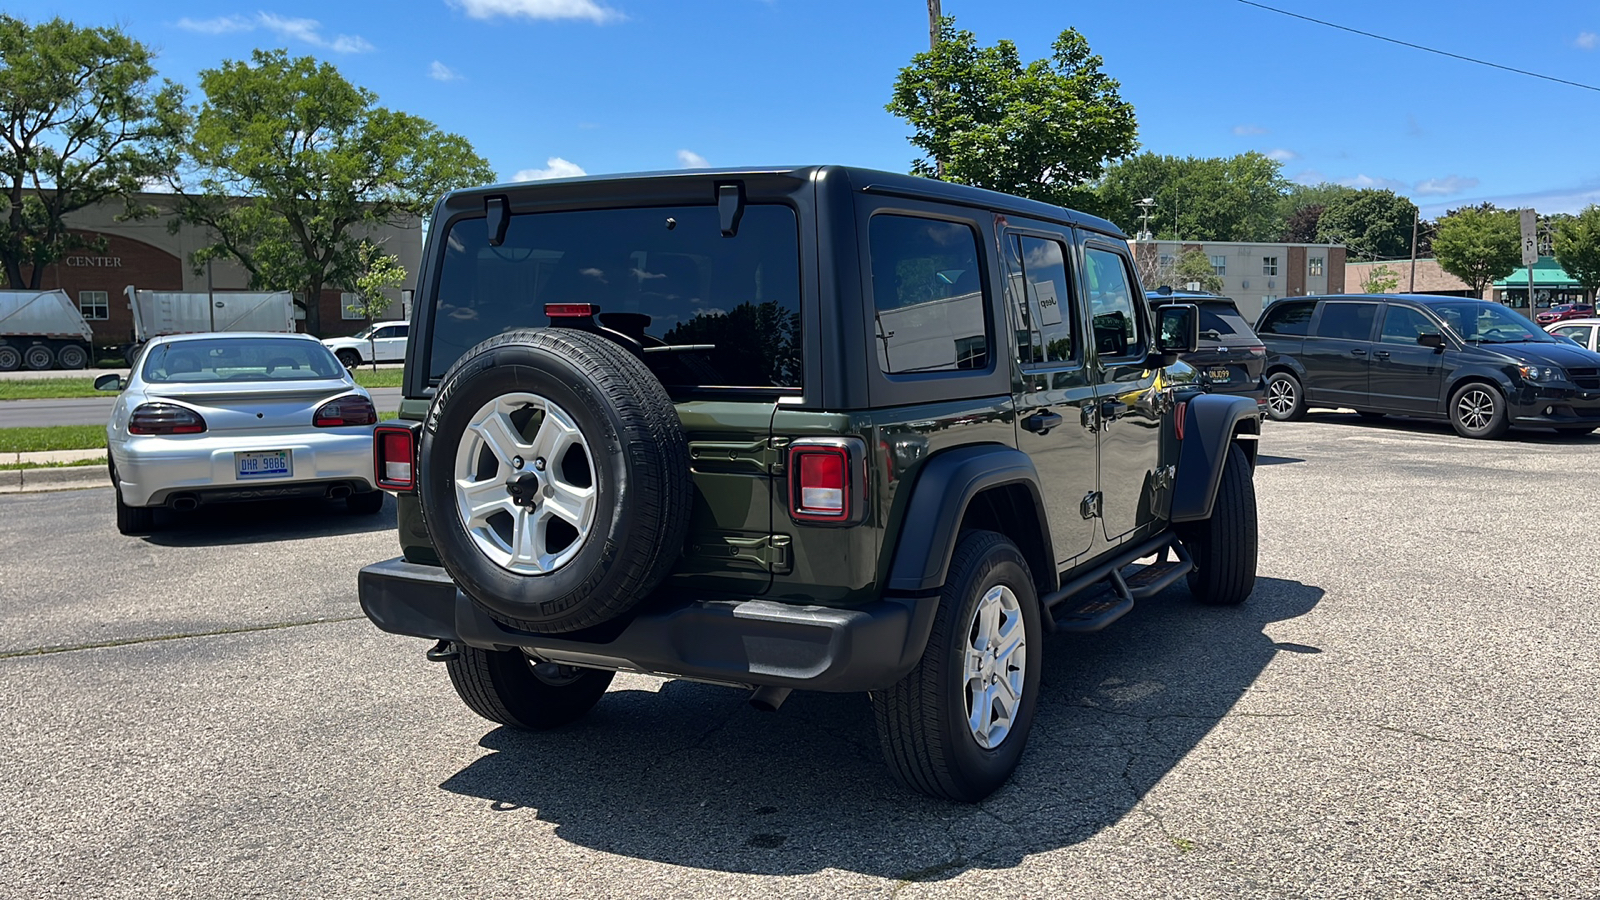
[811, 428]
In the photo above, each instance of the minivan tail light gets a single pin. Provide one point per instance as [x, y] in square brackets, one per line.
[165, 418]
[394, 457]
[351, 409]
[827, 480]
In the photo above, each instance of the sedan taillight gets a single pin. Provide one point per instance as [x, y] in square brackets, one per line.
[351, 409]
[394, 457]
[165, 418]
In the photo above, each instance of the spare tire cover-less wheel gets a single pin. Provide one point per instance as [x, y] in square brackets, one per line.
[554, 479]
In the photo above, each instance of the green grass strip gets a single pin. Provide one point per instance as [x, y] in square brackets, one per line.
[48, 388]
[52, 437]
[70, 464]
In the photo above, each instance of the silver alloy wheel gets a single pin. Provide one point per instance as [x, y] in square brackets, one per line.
[1475, 409]
[1280, 396]
[995, 667]
[527, 503]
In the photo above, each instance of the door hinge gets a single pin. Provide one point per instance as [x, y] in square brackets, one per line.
[768, 553]
[1091, 417]
[1163, 477]
[1090, 507]
[728, 456]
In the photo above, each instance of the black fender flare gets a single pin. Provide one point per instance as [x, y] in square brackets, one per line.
[940, 496]
[1210, 422]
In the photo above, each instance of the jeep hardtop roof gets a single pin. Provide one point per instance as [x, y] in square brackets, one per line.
[625, 187]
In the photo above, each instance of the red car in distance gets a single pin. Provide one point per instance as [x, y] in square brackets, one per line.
[1563, 311]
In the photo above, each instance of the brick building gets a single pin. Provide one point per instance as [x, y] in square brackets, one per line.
[150, 256]
[1255, 274]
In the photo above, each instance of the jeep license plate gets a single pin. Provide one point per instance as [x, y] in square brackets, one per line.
[1221, 374]
[263, 464]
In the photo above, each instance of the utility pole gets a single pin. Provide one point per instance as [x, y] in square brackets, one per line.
[1417, 220]
[935, 24]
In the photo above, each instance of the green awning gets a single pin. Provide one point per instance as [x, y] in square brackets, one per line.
[1547, 273]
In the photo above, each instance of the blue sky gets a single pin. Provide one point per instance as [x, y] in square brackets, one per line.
[562, 86]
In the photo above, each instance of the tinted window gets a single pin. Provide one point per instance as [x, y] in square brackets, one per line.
[1046, 307]
[400, 331]
[1292, 319]
[1490, 323]
[1401, 325]
[927, 290]
[239, 359]
[1348, 321]
[665, 276]
[1116, 329]
[1220, 321]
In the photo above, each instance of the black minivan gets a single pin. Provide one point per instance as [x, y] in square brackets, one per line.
[1476, 363]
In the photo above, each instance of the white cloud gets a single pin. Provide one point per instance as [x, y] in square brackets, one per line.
[441, 72]
[1367, 181]
[307, 31]
[1565, 199]
[1587, 40]
[1282, 155]
[1248, 130]
[1444, 187]
[539, 9]
[554, 167]
[1309, 176]
[692, 160]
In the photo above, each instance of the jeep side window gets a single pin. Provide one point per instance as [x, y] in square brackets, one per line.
[1288, 319]
[927, 294]
[1049, 308]
[1116, 328]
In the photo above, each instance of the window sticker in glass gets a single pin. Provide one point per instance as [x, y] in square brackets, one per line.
[1045, 274]
[927, 293]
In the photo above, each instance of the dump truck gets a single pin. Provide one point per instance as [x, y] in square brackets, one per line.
[42, 330]
[157, 313]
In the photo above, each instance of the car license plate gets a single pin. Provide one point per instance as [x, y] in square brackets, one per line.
[1221, 374]
[263, 464]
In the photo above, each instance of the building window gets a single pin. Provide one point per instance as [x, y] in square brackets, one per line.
[1315, 265]
[1269, 265]
[1167, 261]
[1267, 300]
[1219, 265]
[350, 306]
[95, 305]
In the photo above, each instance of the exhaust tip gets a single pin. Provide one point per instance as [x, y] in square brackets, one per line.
[338, 492]
[185, 503]
[768, 699]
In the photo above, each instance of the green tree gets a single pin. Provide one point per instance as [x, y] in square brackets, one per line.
[1577, 246]
[1372, 223]
[1194, 266]
[293, 165]
[1478, 244]
[1232, 198]
[1380, 280]
[82, 121]
[1038, 130]
[377, 273]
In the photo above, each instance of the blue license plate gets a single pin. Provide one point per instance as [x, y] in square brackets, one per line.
[263, 464]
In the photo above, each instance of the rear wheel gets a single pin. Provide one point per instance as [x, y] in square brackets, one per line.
[1478, 411]
[1286, 401]
[38, 357]
[349, 358]
[73, 356]
[509, 688]
[10, 358]
[131, 519]
[1223, 547]
[367, 504]
[956, 725]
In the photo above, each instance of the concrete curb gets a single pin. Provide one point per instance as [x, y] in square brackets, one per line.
[24, 481]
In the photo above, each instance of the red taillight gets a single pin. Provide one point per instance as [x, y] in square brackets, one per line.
[394, 457]
[825, 478]
[1181, 414]
[570, 310]
[165, 418]
[351, 409]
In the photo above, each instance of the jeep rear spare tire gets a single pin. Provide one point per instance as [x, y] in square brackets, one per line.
[554, 479]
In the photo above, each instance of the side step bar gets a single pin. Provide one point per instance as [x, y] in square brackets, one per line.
[1100, 611]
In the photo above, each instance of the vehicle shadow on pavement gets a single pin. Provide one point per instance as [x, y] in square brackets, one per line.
[1443, 428]
[265, 521]
[692, 776]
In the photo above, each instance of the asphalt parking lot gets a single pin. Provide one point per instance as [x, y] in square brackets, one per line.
[1408, 706]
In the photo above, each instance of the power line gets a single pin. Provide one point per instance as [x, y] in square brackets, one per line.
[1480, 62]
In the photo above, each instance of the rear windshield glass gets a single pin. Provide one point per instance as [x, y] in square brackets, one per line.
[1220, 321]
[239, 359]
[711, 311]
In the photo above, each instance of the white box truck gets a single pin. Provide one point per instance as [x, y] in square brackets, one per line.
[156, 313]
[43, 330]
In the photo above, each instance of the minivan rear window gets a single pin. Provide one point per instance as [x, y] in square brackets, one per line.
[1288, 319]
[715, 312]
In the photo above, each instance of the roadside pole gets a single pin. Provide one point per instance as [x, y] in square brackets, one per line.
[1530, 251]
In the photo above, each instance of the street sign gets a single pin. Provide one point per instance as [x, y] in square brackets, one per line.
[1530, 237]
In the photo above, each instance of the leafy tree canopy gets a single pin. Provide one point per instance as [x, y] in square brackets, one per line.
[1038, 130]
[318, 162]
[1231, 198]
[1577, 246]
[1478, 244]
[82, 121]
[1374, 224]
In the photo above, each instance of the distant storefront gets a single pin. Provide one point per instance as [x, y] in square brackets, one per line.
[146, 254]
[1551, 285]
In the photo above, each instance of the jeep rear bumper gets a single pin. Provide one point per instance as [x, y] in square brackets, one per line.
[738, 642]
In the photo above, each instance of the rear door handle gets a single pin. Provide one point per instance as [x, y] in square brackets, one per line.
[1042, 422]
[1111, 410]
[1358, 352]
[1382, 354]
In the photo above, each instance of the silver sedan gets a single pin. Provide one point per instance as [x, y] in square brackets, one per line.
[209, 418]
